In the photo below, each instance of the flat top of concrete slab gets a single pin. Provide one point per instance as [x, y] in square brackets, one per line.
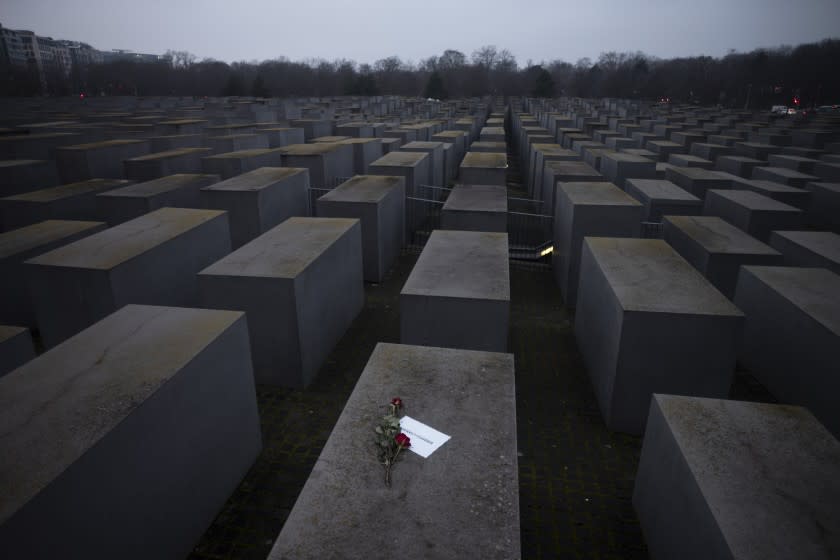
[242, 154]
[769, 186]
[550, 149]
[462, 264]
[451, 134]
[59, 405]
[648, 275]
[791, 158]
[598, 193]
[493, 130]
[69, 190]
[285, 250]
[39, 136]
[183, 121]
[489, 145]
[485, 160]
[789, 173]
[823, 243]
[109, 248]
[422, 146]
[814, 290]
[400, 159]
[571, 169]
[365, 188]
[235, 136]
[231, 126]
[718, 236]
[177, 152]
[9, 331]
[769, 474]
[330, 139]
[662, 190]
[752, 200]
[316, 149]
[30, 237]
[664, 144]
[742, 159]
[758, 145]
[698, 173]
[477, 198]
[101, 145]
[162, 185]
[257, 179]
[9, 163]
[461, 502]
[362, 141]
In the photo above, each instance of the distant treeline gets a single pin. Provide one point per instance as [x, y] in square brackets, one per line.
[761, 77]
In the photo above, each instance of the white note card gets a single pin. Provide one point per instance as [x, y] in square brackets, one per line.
[424, 439]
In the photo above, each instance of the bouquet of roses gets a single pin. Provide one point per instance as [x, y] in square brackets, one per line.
[389, 440]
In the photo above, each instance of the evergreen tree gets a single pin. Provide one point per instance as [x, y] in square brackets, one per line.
[258, 88]
[434, 87]
[234, 86]
[544, 85]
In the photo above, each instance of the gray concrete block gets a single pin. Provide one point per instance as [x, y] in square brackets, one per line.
[432, 517]
[279, 136]
[301, 285]
[232, 164]
[819, 249]
[824, 210]
[258, 200]
[791, 340]
[738, 165]
[588, 209]
[365, 152]
[435, 151]
[727, 479]
[76, 201]
[754, 213]
[793, 196]
[717, 248]
[378, 201]
[326, 161]
[178, 191]
[19, 245]
[412, 166]
[161, 164]
[617, 167]
[98, 160]
[475, 208]
[557, 172]
[237, 143]
[458, 294]
[16, 348]
[483, 169]
[697, 181]
[661, 197]
[639, 336]
[25, 175]
[151, 260]
[127, 440]
[784, 176]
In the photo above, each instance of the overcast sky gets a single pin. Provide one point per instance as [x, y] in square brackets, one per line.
[367, 30]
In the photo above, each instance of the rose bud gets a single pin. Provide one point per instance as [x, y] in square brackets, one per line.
[396, 401]
[403, 440]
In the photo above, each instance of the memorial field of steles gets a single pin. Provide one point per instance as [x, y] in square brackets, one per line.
[455, 308]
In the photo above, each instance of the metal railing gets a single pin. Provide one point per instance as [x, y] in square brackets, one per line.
[652, 230]
[430, 192]
[316, 192]
[422, 216]
[530, 236]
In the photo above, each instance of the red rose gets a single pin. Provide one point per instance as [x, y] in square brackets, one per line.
[396, 401]
[403, 440]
